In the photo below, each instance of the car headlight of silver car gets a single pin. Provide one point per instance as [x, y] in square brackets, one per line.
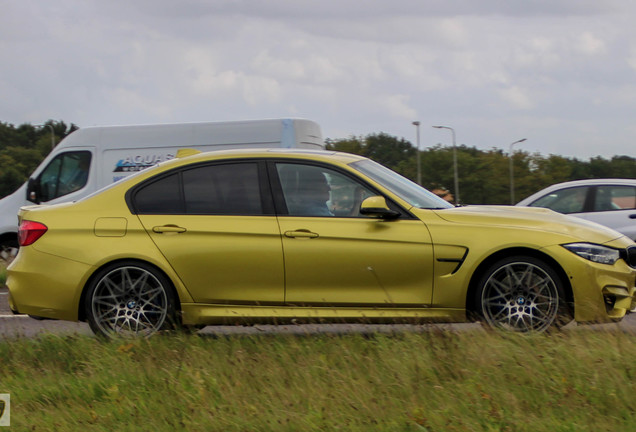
[594, 252]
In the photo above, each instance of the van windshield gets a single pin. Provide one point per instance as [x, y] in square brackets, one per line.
[409, 191]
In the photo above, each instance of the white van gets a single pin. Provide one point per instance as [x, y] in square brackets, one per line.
[93, 157]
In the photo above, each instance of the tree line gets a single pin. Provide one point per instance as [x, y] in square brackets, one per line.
[23, 147]
[484, 175]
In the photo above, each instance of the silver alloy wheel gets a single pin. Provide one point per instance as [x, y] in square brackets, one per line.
[129, 301]
[8, 250]
[520, 296]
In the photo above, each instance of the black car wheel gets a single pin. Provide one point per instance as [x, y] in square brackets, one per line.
[129, 299]
[8, 248]
[522, 294]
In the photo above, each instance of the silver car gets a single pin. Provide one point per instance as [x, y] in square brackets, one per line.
[609, 202]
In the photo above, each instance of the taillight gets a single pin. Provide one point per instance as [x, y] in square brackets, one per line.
[30, 231]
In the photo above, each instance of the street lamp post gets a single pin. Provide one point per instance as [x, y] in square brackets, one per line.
[419, 166]
[512, 176]
[52, 133]
[456, 177]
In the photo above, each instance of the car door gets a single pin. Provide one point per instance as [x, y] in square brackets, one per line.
[614, 206]
[335, 256]
[216, 226]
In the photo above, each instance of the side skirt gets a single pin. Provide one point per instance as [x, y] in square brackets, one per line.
[208, 314]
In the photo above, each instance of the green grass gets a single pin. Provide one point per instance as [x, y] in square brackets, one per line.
[433, 381]
[3, 272]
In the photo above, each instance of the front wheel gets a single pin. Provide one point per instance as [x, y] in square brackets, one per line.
[129, 299]
[8, 248]
[522, 294]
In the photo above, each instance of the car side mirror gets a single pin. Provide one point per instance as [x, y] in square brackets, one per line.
[33, 191]
[376, 206]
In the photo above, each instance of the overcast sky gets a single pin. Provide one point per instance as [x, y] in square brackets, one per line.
[561, 73]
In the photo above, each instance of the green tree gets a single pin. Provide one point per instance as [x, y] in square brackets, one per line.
[11, 176]
[623, 167]
[388, 150]
[488, 180]
[22, 148]
[437, 168]
[352, 144]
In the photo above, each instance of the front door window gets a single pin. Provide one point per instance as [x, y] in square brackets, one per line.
[320, 192]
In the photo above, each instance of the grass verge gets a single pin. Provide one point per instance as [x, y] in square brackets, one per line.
[3, 272]
[433, 381]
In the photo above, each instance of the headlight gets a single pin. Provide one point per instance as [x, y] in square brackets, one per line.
[593, 252]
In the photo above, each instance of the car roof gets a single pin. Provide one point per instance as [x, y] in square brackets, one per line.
[320, 155]
[600, 181]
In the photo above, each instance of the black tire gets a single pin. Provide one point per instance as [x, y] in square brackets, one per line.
[130, 298]
[522, 294]
[8, 248]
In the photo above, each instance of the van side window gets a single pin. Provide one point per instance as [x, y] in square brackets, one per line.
[66, 173]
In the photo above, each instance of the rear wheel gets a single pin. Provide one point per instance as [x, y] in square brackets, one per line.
[130, 299]
[522, 294]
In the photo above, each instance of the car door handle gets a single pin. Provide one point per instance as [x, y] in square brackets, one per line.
[301, 233]
[168, 229]
[632, 216]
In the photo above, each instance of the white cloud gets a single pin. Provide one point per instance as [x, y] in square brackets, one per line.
[259, 90]
[398, 106]
[131, 102]
[517, 98]
[491, 69]
[590, 44]
[283, 68]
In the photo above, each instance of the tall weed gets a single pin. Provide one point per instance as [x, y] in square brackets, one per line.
[433, 381]
[3, 272]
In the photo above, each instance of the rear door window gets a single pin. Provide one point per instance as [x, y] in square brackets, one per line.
[230, 189]
[566, 201]
[609, 198]
[218, 189]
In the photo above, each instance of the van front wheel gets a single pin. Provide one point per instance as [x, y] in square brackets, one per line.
[8, 248]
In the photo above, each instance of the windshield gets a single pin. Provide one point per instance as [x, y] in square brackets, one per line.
[409, 191]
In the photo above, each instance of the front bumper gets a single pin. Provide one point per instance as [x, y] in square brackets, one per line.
[602, 293]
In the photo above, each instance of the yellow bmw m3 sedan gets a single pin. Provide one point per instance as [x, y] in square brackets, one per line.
[251, 236]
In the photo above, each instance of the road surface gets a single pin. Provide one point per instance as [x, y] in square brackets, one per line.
[22, 325]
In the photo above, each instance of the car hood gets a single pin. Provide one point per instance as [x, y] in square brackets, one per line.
[530, 218]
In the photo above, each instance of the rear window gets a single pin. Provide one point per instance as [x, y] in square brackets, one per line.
[160, 197]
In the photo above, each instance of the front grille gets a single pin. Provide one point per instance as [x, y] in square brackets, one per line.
[630, 256]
